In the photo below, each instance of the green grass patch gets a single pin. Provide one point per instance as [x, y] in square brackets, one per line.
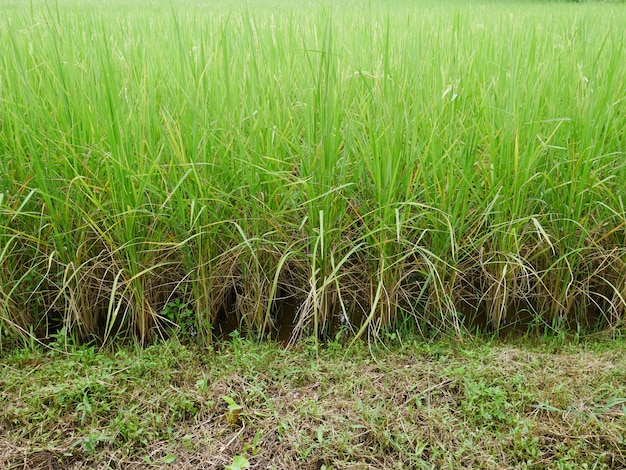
[412, 404]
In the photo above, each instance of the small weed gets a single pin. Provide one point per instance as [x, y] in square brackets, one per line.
[90, 442]
[170, 458]
[234, 410]
[180, 318]
[239, 463]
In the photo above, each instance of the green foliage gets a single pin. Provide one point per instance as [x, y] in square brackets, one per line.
[180, 315]
[398, 164]
[239, 463]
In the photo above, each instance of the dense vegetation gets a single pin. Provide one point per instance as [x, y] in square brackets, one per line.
[354, 165]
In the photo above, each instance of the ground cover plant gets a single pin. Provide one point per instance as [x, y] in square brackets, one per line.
[282, 167]
[524, 404]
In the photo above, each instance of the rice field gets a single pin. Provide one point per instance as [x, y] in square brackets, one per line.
[293, 168]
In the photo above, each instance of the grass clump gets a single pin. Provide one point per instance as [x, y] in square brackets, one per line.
[275, 168]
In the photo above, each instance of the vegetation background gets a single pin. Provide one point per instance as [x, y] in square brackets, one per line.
[312, 172]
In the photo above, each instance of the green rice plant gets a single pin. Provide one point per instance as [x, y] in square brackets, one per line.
[358, 167]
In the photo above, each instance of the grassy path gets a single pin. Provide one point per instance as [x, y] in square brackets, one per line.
[549, 404]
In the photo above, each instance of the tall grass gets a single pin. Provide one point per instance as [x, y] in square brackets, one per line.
[438, 166]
